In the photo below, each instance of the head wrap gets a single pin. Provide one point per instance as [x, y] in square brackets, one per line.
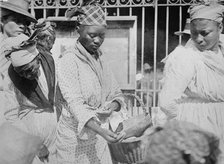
[17, 53]
[46, 36]
[211, 11]
[47, 28]
[11, 42]
[24, 56]
[91, 14]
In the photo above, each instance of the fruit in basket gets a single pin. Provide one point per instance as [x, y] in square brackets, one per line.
[177, 142]
[135, 126]
[132, 149]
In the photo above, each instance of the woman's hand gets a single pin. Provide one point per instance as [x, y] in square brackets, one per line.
[109, 136]
[121, 136]
[108, 109]
[113, 106]
[112, 137]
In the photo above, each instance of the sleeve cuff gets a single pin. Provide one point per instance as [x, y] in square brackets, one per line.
[82, 130]
[120, 101]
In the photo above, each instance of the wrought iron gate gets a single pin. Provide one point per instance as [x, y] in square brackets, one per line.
[157, 20]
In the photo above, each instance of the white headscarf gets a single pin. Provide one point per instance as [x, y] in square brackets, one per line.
[211, 11]
[23, 57]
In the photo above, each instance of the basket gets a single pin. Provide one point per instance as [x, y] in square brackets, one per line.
[133, 149]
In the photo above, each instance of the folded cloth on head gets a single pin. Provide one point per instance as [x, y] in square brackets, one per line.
[18, 54]
[24, 56]
[212, 11]
[91, 14]
[11, 42]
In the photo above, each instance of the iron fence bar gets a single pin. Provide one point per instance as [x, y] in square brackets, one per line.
[180, 23]
[131, 5]
[118, 11]
[111, 6]
[130, 11]
[143, 45]
[155, 52]
[167, 29]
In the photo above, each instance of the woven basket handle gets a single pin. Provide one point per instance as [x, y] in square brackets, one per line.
[139, 100]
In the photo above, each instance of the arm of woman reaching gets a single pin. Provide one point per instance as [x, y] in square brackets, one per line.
[114, 107]
[108, 135]
[178, 73]
[68, 77]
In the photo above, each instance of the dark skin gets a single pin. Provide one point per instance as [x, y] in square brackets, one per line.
[14, 24]
[45, 42]
[91, 38]
[30, 70]
[205, 34]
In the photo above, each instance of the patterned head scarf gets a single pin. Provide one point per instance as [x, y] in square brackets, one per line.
[47, 28]
[23, 57]
[88, 14]
[211, 11]
[47, 35]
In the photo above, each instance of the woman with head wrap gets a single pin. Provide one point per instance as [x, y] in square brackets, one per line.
[15, 20]
[193, 80]
[91, 92]
[29, 95]
[46, 37]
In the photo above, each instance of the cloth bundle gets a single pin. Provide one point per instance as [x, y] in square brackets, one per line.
[134, 126]
[19, 50]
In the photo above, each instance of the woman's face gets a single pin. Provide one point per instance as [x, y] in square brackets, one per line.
[29, 71]
[205, 34]
[46, 42]
[14, 24]
[91, 37]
